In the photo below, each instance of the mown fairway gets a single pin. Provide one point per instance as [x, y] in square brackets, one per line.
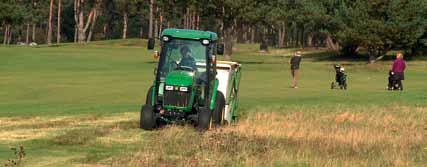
[79, 105]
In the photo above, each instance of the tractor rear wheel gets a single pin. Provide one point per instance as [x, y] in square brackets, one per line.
[219, 110]
[204, 119]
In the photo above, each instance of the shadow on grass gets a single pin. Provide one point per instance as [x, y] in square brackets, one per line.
[151, 62]
[327, 56]
[333, 56]
[259, 62]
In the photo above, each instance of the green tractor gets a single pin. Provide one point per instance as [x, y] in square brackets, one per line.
[190, 86]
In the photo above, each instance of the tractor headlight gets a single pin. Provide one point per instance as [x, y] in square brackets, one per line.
[183, 89]
[166, 38]
[168, 87]
[205, 42]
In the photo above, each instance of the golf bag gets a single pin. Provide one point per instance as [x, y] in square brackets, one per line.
[393, 84]
[340, 78]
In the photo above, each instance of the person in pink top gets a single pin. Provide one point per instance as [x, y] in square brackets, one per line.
[398, 70]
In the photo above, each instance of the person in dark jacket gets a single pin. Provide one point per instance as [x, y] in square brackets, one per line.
[295, 64]
[398, 70]
[187, 58]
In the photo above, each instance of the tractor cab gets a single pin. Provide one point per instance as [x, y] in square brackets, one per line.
[187, 68]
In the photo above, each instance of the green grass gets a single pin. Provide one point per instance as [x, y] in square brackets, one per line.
[79, 104]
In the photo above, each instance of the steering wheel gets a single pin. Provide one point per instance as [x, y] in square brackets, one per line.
[185, 68]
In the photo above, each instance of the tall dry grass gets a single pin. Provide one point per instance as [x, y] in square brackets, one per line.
[341, 136]
[374, 136]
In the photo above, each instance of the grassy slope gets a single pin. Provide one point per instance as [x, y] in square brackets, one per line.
[79, 105]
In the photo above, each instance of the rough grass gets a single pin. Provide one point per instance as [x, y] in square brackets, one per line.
[375, 136]
[77, 105]
[392, 136]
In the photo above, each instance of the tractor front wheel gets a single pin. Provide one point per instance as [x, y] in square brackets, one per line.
[204, 119]
[148, 121]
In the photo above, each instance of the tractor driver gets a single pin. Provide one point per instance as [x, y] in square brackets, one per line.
[187, 58]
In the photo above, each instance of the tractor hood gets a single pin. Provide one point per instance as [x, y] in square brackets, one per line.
[180, 78]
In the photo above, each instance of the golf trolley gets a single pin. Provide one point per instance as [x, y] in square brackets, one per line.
[340, 78]
[393, 84]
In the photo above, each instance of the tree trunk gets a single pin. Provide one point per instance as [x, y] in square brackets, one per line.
[49, 31]
[377, 53]
[82, 27]
[198, 22]
[282, 36]
[76, 32]
[188, 15]
[76, 20]
[302, 36]
[150, 21]
[33, 36]
[125, 24]
[19, 39]
[194, 20]
[161, 24]
[6, 34]
[109, 15]
[27, 34]
[190, 21]
[372, 56]
[227, 32]
[249, 34]
[184, 21]
[58, 32]
[156, 28]
[310, 40]
[279, 38]
[234, 29]
[245, 34]
[238, 38]
[141, 32]
[330, 43]
[228, 43]
[92, 26]
[81, 32]
[20, 32]
[104, 30]
[253, 30]
[9, 35]
[297, 40]
[186, 18]
[294, 35]
[264, 40]
[2, 25]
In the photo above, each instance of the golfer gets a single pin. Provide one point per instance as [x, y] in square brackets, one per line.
[295, 63]
[398, 69]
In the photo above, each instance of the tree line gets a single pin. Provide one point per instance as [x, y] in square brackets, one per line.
[346, 26]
